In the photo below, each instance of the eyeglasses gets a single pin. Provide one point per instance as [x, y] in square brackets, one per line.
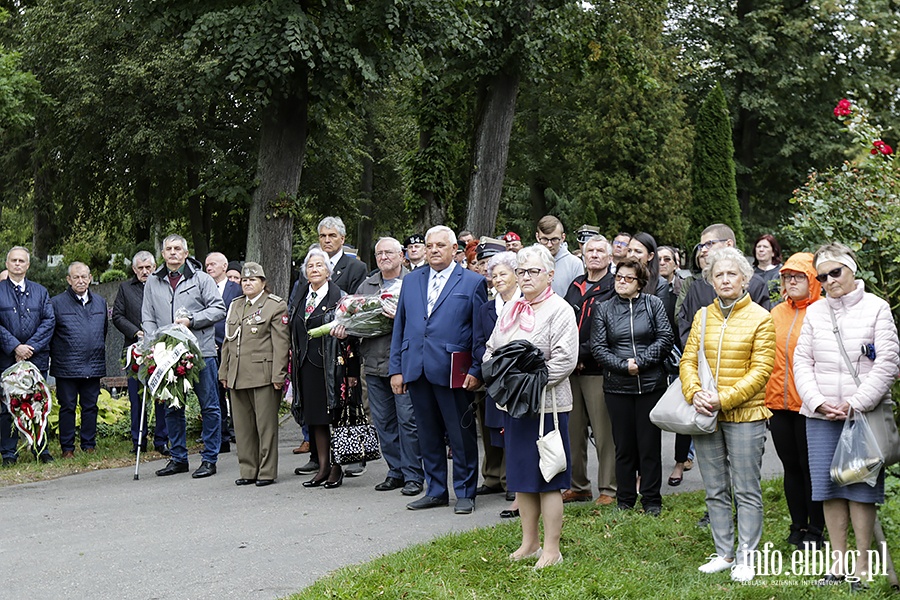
[385, 253]
[665, 259]
[546, 240]
[834, 274]
[796, 276]
[620, 244]
[709, 244]
[530, 272]
[626, 278]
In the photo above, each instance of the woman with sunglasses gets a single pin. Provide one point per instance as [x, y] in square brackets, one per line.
[788, 426]
[830, 388]
[630, 338]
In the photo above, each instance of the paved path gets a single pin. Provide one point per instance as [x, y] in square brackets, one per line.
[103, 535]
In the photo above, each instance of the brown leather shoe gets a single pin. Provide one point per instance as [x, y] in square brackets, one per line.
[68, 454]
[573, 496]
[302, 448]
[604, 500]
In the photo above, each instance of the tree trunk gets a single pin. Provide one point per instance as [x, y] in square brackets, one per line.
[365, 231]
[199, 235]
[538, 195]
[494, 120]
[282, 146]
[746, 139]
[431, 212]
[140, 225]
[44, 231]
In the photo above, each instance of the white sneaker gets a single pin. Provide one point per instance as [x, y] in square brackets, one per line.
[742, 573]
[716, 564]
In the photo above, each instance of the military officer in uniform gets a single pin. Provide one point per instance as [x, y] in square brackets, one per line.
[254, 367]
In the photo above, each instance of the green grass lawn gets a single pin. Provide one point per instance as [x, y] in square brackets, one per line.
[608, 554]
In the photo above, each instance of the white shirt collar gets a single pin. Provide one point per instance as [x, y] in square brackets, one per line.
[221, 285]
[334, 259]
[20, 285]
[446, 272]
[320, 294]
[255, 298]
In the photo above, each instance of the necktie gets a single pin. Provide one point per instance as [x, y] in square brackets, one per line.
[310, 304]
[174, 276]
[434, 292]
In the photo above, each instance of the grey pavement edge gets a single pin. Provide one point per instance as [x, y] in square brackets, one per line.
[103, 535]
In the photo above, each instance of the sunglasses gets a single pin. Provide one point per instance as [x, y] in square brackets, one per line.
[834, 274]
[626, 278]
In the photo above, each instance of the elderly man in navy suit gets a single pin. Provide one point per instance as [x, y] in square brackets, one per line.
[217, 267]
[434, 322]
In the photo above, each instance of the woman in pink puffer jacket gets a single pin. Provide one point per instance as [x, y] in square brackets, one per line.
[828, 391]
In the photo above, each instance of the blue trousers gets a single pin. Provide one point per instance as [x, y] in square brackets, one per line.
[208, 395]
[161, 436]
[441, 410]
[395, 422]
[71, 391]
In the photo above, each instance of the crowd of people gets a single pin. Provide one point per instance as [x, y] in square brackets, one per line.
[604, 319]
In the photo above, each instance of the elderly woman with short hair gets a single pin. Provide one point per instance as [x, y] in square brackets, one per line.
[313, 360]
[543, 318]
[829, 388]
[501, 272]
[739, 345]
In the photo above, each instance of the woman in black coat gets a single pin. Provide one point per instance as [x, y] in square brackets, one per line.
[317, 392]
[630, 338]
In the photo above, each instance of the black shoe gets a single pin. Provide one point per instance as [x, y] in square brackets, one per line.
[310, 467]
[427, 502]
[206, 469]
[389, 483]
[355, 469]
[172, 468]
[509, 513]
[813, 537]
[412, 488]
[224, 447]
[796, 536]
[330, 485]
[653, 510]
[163, 450]
[484, 490]
[510, 496]
[45, 458]
[244, 481]
[314, 482]
[704, 520]
[8, 462]
[464, 506]
[264, 482]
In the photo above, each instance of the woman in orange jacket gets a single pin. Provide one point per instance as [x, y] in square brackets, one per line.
[788, 426]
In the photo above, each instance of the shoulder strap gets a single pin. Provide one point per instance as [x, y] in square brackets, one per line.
[840, 343]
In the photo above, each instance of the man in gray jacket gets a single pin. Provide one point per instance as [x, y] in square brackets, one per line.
[392, 413]
[180, 292]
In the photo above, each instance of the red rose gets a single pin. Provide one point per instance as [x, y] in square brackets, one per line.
[873, 151]
[150, 369]
[14, 403]
[885, 149]
[180, 371]
[135, 367]
[843, 108]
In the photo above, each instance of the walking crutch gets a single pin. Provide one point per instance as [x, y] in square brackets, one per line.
[137, 460]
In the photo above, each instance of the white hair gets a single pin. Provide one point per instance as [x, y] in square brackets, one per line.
[507, 259]
[321, 254]
[600, 238]
[728, 254]
[176, 237]
[539, 252]
[332, 223]
[441, 229]
[143, 255]
[395, 243]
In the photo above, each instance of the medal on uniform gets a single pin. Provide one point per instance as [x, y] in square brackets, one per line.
[253, 330]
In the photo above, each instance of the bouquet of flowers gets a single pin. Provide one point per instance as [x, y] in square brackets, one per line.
[168, 364]
[27, 398]
[363, 316]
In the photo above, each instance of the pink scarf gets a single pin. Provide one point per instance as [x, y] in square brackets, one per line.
[522, 312]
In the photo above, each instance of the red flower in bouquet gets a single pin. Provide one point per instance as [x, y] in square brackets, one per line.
[28, 400]
[180, 370]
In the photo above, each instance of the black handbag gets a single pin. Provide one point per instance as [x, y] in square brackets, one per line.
[353, 438]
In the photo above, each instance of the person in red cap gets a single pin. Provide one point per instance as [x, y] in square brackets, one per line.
[513, 241]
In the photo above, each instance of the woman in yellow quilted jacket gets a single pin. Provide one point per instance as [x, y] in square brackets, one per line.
[739, 345]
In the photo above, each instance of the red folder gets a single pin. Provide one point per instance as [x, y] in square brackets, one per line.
[460, 363]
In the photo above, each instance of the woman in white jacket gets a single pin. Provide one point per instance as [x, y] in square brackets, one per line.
[828, 390]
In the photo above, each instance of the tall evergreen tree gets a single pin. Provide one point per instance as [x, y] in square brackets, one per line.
[712, 174]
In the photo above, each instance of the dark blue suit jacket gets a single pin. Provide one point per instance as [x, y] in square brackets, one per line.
[30, 322]
[484, 327]
[232, 290]
[421, 345]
